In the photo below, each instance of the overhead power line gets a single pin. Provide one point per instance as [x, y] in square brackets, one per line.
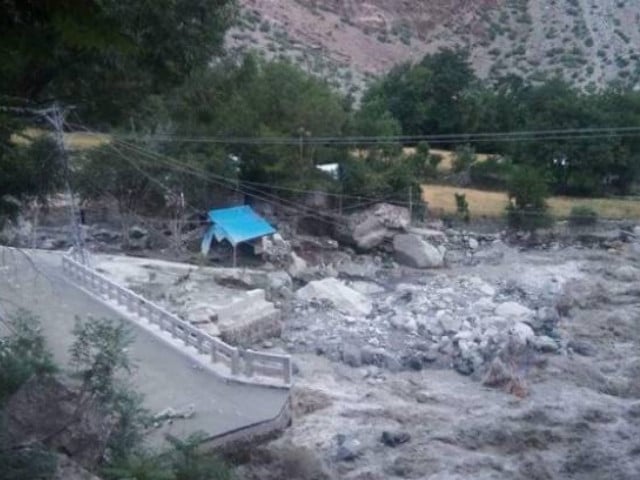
[154, 158]
[249, 185]
[572, 134]
[279, 201]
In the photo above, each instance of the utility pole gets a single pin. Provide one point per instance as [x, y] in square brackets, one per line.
[302, 134]
[410, 204]
[55, 116]
[301, 142]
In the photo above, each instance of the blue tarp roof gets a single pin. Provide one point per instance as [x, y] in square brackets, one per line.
[237, 224]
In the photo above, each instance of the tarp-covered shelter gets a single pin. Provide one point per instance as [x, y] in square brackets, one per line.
[235, 225]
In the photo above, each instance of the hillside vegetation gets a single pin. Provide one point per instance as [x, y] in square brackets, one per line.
[589, 42]
[243, 124]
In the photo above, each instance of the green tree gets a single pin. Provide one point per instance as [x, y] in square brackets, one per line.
[139, 465]
[181, 460]
[464, 157]
[190, 463]
[260, 99]
[451, 75]
[441, 95]
[462, 207]
[425, 98]
[99, 358]
[28, 172]
[98, 354]
[527, 191]
[105, 56]
[20, 462]
[400, 93]
[23, 353]
[123, 177]
[578, 164]
[420, 162]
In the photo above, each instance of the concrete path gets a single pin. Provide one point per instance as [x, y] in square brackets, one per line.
[33, 280]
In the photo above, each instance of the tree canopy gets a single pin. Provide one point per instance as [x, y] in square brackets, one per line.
[104, 56]
[105, 59]
[441, 95]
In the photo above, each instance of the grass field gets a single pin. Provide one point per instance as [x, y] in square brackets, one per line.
[74, 141]
[441, 200]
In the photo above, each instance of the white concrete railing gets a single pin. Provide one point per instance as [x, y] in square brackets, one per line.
[239, 361]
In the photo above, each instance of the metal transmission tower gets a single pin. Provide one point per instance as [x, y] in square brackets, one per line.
[55, 116]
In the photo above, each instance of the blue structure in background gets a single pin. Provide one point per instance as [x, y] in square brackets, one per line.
[236, 225]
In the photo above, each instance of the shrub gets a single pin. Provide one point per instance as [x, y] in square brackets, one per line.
[493, 173]
[435, 159]
[265, 26]
[528, 209]
[582, 215]
[23, 353]
[98, 355]
[423, 148]
[188, 462]
[464, 157]
[422, 164]
[462, 206]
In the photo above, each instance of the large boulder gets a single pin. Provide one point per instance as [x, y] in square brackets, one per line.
[368, 229]
[344, 298]
[414, 252]
[297, 266]
[57, 414]
[369, 233]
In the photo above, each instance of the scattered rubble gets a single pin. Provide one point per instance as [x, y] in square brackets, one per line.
[428, 352]
[169, 414]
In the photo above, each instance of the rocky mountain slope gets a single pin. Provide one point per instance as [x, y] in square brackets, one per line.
[590, 42]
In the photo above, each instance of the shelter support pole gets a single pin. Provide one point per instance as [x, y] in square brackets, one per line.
[235, 257]
[410, 205]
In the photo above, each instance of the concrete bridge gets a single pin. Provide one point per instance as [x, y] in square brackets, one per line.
[226, 410]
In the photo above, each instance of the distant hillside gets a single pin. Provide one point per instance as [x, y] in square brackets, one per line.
[590, 42]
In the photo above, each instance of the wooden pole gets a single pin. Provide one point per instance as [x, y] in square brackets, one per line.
[234, 256]
[410, 204]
